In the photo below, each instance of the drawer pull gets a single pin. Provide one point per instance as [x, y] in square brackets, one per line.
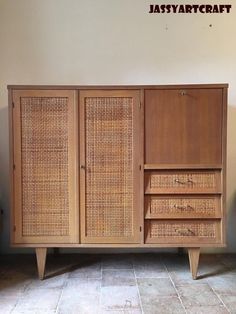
[183, 207]
[180, 182]
[185, 231]
[184, 182]
[190, 181]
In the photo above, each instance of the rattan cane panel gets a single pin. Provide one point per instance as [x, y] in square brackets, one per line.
[192, 180]
[44, 156]
[205, 206]
[182, 230]
[109, 166]
[186, 181]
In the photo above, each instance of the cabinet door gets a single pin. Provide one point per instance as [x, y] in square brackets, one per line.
[183, 126]
[45, 159]
[110, 160]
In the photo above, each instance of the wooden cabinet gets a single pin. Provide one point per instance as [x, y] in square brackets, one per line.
[118, 166]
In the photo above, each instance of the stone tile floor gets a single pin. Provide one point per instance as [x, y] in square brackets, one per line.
[118, 283]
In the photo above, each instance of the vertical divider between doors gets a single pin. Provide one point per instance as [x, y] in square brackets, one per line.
[142, 209]
[82, 163]
[75, 118]
[137, 164]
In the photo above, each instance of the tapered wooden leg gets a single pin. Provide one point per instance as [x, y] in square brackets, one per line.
[41, 254]
[193, 255]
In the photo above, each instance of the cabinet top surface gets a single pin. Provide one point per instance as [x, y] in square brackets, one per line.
[223, 85]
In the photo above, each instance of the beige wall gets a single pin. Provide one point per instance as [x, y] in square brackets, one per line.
[114, 42]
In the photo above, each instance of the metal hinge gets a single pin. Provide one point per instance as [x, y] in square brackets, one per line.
[14, 166]
[13, 105]
[140, 228]
[14, 228]
[140, 104]
[140, 167]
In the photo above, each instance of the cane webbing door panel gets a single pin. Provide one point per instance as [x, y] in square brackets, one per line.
[45, 157]
[110, 166]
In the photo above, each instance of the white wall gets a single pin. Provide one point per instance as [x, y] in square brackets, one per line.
[114, 42]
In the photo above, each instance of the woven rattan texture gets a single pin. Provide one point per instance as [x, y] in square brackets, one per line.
[206, 206]
[183, 180]
[109, 166]
[44, 156]
[206, 229]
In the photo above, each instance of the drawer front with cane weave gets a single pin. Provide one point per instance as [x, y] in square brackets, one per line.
[182, 206]
[183, 231]
[163, 182]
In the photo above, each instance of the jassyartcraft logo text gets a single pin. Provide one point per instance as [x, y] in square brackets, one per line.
[190, 8]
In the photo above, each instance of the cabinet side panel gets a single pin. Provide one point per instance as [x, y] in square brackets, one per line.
[224, 158]
[11, 163]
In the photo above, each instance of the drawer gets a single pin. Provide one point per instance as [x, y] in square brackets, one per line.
[181, 181]
[157, 206]
[188, 231]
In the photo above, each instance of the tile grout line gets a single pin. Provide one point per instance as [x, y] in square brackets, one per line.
[174, 287]
[21, 296]
[100, 291]
[116, 269]
[14, 307]
[139, 296]
[231, 268]
[129, 269]
[59, 299]
[218, 296]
